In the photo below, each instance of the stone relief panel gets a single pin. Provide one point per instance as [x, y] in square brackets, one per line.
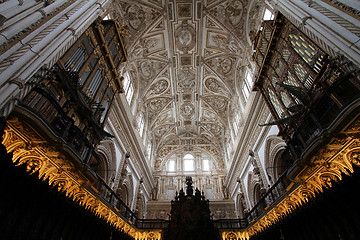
[254, 19]
[157, 88]
[215, 86]
[209, 115]
[186, 78]
[137, 17]
[185, 37]
[218, 103]
[164, 117]
[161, 131]
[155, 105]
[231, 13]
[184, 10]
[187, 109]
[217, 40]
[224, 65]
[212, 128]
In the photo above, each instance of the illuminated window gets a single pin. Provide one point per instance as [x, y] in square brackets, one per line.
[188, 162]
[128, 88]
[209, 194]
[107, 17]
[247, 85]
[268, 15]
[171, 166]
[206, 165]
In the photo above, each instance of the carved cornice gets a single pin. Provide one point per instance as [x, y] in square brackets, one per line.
[30, 149]
[324, 168]
[318, 173]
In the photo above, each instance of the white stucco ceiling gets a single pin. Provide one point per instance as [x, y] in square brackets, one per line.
[187, 61]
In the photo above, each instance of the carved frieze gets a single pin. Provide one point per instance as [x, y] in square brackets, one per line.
[218, 103]
[38, 155]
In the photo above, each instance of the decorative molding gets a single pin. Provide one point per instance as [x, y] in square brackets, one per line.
[29, 149]
[324, 168]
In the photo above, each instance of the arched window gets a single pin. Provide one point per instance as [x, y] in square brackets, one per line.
[171, 166]
[124, 194]
[188, 162]
[268, 15]
[247, 84]
[206, 165]
[128, 88]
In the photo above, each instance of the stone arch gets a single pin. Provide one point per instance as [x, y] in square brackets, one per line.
[107, 167]
[127, 190]
[253, 185]
[239, 205]
[274, 147]
[256, 193]
[102, 169]
[141, 206]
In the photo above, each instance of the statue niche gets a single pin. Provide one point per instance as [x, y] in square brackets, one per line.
[190, 217]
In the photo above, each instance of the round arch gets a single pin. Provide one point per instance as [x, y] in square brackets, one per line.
[274, 147]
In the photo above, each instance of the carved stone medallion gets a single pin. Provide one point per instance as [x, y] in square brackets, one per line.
[159, 87]
[136, 16]
[185, 37]
[187, 109]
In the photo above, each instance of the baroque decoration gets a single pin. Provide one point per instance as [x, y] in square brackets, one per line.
[183, 58]
[324, 168]
[30, 149]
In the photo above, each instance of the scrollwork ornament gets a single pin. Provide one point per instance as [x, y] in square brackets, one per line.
[38, 156]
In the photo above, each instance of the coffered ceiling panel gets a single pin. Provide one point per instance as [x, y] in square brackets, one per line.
[186, 58]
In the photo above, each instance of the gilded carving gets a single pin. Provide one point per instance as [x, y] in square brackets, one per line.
[30, 149]
[326, 167]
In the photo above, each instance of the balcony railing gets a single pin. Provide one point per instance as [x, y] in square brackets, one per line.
[107, 194]
[230, 223]
[270, 197]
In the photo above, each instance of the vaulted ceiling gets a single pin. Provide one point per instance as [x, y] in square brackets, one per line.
[187, 60]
